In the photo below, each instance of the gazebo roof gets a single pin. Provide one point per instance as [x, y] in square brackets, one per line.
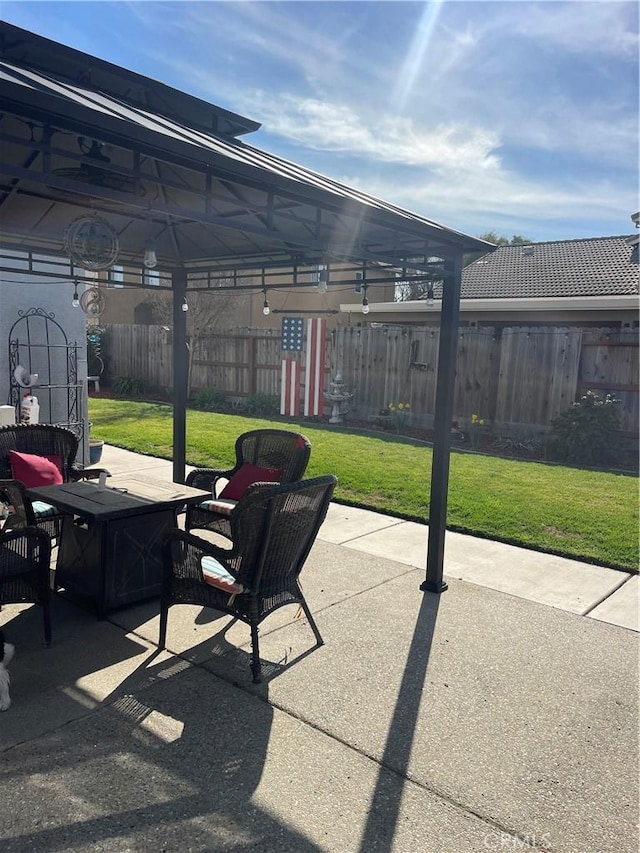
[80, 135]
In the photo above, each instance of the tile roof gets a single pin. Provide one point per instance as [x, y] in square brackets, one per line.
[597, 266]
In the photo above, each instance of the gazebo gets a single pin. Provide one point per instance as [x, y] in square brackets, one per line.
[102, 166]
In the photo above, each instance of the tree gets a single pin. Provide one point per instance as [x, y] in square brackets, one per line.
[208, 311]
[408, 291]
[498, 240]
[501, 240]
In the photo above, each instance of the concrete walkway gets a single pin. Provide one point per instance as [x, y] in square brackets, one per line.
[501, 715]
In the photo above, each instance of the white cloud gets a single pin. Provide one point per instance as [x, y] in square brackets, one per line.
[325, 126]
[273, 34]
[481, 201]
[601, 131]
[455, 173]
[581, 27]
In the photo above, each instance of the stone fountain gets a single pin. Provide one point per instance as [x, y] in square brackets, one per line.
[338, 397]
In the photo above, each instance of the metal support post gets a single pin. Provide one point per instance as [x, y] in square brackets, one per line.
[445, 389]
[180, 371]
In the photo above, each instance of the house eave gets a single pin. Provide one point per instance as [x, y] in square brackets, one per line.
[496, 306]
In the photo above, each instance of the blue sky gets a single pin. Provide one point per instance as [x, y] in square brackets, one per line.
[518, 117]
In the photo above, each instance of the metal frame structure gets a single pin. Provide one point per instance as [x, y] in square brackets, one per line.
[78, 134]
[37, 338]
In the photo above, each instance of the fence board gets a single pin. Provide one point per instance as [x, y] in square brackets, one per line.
[423, 368]
[538, 374]
[609, 365]
[476, 374]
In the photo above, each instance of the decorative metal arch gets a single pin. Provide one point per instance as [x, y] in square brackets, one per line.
[38, 342]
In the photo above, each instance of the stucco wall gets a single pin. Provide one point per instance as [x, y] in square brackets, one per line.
[21, 291]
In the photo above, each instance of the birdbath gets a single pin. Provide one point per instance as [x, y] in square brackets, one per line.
[338, 398]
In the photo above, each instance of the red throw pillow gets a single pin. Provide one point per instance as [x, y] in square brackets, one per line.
[34, 470]
[245, 476]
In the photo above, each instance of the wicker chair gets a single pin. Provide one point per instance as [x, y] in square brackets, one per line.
[39, 440]
[283, 451]
[273, 529]
[25, 557]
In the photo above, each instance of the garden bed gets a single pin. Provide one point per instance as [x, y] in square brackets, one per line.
[522, 447]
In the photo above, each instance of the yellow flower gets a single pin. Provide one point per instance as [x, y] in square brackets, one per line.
[474, 419]
[481, 422]
[407, 406]
[401, 405]
[392, 407]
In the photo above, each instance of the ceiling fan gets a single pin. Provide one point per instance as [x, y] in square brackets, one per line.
[95, 173]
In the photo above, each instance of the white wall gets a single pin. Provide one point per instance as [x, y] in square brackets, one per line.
[20, 291]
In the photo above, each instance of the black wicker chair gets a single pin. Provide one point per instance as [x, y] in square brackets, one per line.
[282, 451]
[25, 557]
[38, 440]
[273, 529]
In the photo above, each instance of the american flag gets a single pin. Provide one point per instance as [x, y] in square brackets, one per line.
[314, 368]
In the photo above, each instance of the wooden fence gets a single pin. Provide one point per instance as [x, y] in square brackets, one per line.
[517, 377]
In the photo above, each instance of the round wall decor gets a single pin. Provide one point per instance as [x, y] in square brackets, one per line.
[92, 243]
[93, 302]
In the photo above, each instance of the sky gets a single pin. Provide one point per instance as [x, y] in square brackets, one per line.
[515, 117]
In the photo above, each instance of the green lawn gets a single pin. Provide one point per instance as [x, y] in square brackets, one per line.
[590, 515]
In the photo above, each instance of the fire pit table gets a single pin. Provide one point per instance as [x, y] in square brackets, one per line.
[110, 548]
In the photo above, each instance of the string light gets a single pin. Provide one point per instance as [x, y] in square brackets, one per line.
[185, 304]
[150, 258]
[75, 302]
[430, 295]
[365, 301]
[323, 279]
[265, 306]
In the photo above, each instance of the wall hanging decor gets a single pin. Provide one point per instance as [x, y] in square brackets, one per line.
[93, 302]
[92, 243]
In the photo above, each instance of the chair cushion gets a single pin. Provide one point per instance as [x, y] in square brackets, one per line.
[32, 470]
[219, 506]
[245, 476]
[215, 574]
[43, 510]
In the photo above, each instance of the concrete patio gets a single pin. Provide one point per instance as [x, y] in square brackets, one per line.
[501, 715]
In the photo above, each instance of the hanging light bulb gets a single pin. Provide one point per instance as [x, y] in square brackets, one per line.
[150, 258]
[185, 305]
[365, 301]
[75, 302]
[323, 280]
[430, 295]
[265, 306]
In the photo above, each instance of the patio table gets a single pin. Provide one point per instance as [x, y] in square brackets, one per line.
[110, 549]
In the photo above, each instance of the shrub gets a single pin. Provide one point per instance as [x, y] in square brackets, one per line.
[261, 405]
[128, 386]
[521, 442]
[586, 432]
[209, 400]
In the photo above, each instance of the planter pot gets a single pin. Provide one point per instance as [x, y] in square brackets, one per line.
[95, 450]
